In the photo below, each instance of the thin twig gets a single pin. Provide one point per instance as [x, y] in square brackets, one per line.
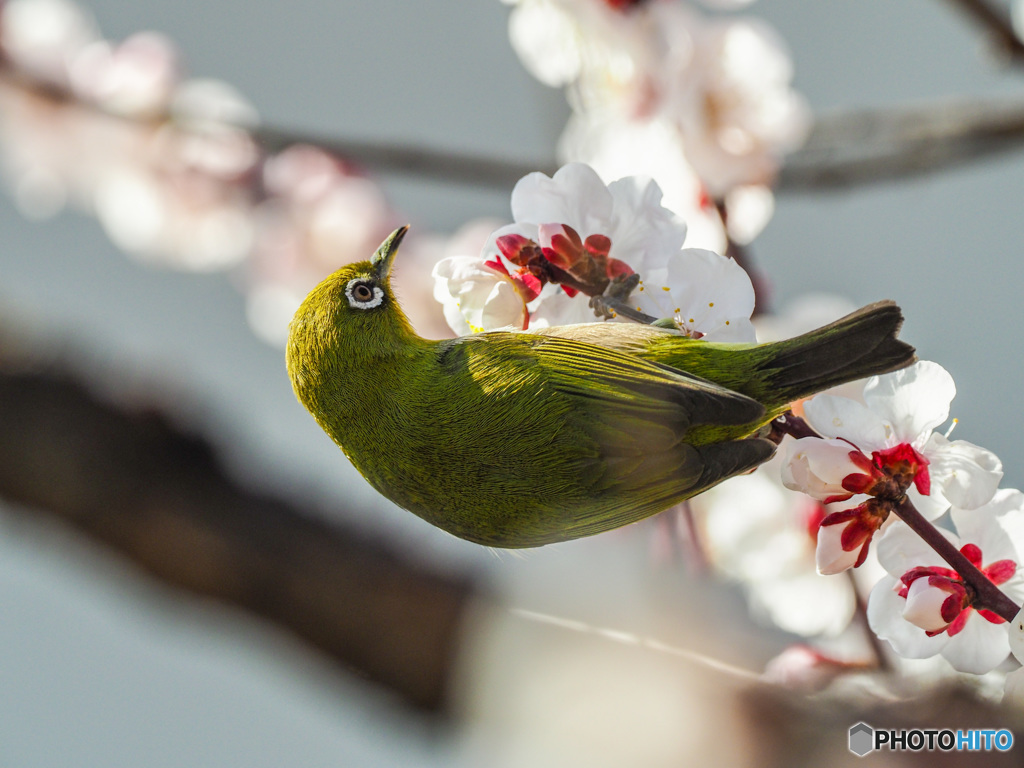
[445, 165]
[878, 649]
[986, 594]
[996, 22]
[698, 560]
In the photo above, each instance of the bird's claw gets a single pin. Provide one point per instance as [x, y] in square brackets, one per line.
[606, 305]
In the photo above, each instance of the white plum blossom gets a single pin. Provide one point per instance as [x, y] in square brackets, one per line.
[922, 608]
[806, 669]
[1013, 691]
[478, 296]
[137, 78]
[871, 454]
[616, 146]
[573, 229]
[736, 111]
[628, 212]
[708, 296]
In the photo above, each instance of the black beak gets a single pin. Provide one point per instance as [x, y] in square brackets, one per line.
[382, 259]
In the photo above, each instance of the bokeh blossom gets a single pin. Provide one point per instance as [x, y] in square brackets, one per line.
[715, 91]
[761, 534]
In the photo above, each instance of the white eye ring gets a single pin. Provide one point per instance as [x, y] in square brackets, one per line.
[378, 294]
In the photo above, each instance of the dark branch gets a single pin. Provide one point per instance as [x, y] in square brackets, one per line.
[987, 594]
[845, 149]
[790, 424]
[996, 22]
[137, 484]
[434, 164]
[854, 147]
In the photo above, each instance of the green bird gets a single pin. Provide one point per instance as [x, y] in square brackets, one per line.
[524, 438]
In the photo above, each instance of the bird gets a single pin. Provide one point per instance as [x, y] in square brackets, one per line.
[522, 438]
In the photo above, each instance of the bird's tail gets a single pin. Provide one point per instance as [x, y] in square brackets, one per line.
[854, 347]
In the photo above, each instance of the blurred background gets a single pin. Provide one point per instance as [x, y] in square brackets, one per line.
[101, 665]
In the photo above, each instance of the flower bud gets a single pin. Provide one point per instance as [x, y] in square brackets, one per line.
[561, 244]
[932, 603]
[518, 249]
[830, 557]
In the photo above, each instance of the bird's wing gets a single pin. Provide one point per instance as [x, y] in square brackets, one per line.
[638, 413]
[623, 337]
[619, 380]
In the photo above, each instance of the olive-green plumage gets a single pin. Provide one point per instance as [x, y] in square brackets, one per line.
[518, 439]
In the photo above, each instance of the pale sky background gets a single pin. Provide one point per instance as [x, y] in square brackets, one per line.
[98, 668]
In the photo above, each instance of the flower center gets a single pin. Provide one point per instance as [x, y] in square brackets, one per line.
[562, 256]
[889, 473]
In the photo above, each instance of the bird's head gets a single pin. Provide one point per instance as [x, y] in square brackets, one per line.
[351, 315]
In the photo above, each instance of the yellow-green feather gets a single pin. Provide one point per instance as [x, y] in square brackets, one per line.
[522, 439]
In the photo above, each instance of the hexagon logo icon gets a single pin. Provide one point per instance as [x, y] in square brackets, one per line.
[862, 738]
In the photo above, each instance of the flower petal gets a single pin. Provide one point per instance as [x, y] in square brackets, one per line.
[641, 224]
[735, 331]
[967, 474]
[1016, 637]
[805, 603]
[832, 416]
[979, 647]
[931, 506]
[544, 35]
[817, 467]
[830, 557]
[900, 549]
[997, 527]
[885, 609]
[575, 195]
[914, 400]
[926, 604]
[476, 297]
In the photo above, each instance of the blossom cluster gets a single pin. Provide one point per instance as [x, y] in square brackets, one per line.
[183, 181]
[573, 233]
[879, 459]
[658, 88]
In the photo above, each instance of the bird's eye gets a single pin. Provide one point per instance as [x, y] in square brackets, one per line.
[364, 294]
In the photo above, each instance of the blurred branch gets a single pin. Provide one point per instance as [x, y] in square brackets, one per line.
[137, 484]
[996, 22]
[434, 164]
[848, 148]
